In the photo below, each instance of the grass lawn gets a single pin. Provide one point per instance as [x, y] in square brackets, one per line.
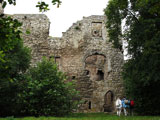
[88, 116]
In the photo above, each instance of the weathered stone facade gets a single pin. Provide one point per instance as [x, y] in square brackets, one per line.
[84, 53]
[38, 25]
[1, 9]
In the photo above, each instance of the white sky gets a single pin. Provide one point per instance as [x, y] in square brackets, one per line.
[69, 12]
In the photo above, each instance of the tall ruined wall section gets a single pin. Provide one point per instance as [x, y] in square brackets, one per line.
[38, 26]
[84, 53]
[87, 56]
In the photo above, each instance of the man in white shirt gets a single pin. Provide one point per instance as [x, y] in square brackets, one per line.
[118, 106]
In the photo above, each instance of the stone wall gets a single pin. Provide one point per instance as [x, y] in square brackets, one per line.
[84, 53]
[1, 9]
[38, 26]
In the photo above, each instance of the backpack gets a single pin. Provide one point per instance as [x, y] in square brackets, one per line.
[126, 101]
[132, 103]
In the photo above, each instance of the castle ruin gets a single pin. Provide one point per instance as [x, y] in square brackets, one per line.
[84, 53]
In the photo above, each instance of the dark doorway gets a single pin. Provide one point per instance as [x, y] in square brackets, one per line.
[108, 102]
[89, 106]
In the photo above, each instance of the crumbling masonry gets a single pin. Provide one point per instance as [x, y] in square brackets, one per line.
[84, 53]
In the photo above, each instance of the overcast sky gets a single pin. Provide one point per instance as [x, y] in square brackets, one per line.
[63, 17]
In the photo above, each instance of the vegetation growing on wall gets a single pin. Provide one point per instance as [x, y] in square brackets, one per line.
[141, 73]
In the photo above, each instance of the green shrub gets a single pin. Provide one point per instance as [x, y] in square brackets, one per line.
[47, 93]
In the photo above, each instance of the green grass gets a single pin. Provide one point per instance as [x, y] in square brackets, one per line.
[88, 116]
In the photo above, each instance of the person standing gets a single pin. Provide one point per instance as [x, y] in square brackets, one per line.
[124, 106]
[131, 107]
[118, 106]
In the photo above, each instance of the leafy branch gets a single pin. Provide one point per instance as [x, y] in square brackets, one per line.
[43, 7]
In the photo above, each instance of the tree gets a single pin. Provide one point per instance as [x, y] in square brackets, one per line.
[11, 47]
[15, 60]
[141, 73]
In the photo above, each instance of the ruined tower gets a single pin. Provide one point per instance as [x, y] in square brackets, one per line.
[84, 53]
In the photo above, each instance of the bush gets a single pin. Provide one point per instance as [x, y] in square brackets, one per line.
[47, 93]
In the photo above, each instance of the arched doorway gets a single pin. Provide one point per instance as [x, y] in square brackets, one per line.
[108, 101]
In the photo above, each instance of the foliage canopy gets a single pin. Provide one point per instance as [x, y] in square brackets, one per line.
[14, 61]
[141, 73]
[43, 6]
